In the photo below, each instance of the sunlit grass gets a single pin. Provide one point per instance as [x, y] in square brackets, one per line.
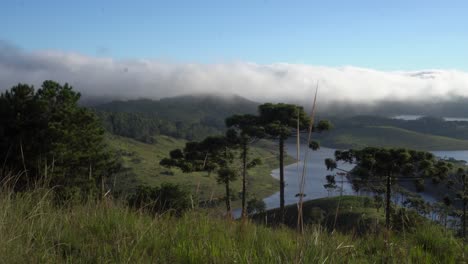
[33, 230]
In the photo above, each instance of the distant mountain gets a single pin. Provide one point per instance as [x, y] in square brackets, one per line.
[189, 117]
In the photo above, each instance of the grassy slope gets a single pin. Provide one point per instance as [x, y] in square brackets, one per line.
[387, 136]
[351, 212]
[144, 168]
[34, 231]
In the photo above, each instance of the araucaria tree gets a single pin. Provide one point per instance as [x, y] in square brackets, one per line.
[248, 130]
[280, 121]
[44, 134]
[379, 169]
[214, 153]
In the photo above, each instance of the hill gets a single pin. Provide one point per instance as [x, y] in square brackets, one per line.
[189, 117]
[141, 162]
[388, 136]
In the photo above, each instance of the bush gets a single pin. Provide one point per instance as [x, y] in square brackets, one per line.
[165, 198]
[255, 206]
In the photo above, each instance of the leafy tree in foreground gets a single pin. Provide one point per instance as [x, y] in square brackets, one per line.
[44, 134]
[212, 154]
[249, 132]
[280, 121]
[380, 168]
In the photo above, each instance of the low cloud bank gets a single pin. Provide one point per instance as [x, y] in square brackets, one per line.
[131, 79]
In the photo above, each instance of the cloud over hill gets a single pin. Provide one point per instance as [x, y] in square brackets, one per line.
[129, 79]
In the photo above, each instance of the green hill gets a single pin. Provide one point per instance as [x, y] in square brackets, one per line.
[189, 117]
[388, 136]
[185, 108]
[141, 161]
[197, 116]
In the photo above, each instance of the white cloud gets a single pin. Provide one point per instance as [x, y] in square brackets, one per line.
[128, 79]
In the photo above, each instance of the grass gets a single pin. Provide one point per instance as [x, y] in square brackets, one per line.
[344, 213]
[33, 230]
[142, 162]
[388, 136]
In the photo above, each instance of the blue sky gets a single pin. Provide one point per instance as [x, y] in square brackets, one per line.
[385, 35]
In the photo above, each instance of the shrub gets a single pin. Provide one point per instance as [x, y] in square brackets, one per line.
[165, 198]
[255, 206]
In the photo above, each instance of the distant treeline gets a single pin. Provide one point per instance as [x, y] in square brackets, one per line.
[143, 127]
[426, 125]
[186, 117]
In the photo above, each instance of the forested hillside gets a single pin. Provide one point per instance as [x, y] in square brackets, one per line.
[141, 167]
[187, 117]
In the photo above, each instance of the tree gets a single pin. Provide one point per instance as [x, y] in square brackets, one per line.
[214, 153]
[44, 134]
[378, 168]
[459, 184]
[255, 206]
[249, 131]
[331, 184]
[280, 121]
[164, 198]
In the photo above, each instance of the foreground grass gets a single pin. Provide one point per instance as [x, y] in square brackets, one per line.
[32, 230]
[388, 136]
[347, 213]
[142, 163]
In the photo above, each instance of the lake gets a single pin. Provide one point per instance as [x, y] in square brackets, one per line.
[415, 117]
[316, 172]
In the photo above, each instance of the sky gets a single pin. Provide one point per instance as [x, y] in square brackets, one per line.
[383, 35]
[357, 51]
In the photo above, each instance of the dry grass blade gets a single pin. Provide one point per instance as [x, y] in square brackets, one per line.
[300, 220]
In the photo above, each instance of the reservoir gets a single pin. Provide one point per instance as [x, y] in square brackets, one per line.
[316, 173]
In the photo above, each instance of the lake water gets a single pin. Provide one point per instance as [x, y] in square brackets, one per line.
[316, 172]
[315, 177]
[414, 117]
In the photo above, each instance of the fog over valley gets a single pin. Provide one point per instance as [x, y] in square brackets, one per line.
[345, 89]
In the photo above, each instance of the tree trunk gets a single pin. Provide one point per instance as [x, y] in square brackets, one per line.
[387, 207]
[464, 208]
[244, 176]
[281, 160]
[228, 201]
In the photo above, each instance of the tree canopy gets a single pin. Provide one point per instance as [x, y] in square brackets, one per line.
[377, 169]
[280, 121]
[44, 134]
[214, 153]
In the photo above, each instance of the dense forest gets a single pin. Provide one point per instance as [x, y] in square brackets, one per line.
[188, 117]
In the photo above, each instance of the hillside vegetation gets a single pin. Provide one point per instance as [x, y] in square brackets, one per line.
[388, 136]
[188, 117]
[35, 231]
[195, 117]
[72, 193]
[141, 161]
[342, 213]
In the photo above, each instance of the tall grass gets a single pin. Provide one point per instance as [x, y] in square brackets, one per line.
[34, 230]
